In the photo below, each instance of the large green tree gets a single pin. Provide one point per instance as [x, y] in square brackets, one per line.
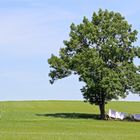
[101, 53]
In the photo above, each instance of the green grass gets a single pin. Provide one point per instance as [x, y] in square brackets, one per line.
[64, 120]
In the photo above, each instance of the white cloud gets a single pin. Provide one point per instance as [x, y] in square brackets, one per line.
[33, 32]
[22, 76]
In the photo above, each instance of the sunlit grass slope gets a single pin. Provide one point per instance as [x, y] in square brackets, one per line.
[64, 120]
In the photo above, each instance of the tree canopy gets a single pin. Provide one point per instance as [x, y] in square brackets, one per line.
[101, 52]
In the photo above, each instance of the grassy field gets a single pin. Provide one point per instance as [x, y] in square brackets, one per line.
[64, 120]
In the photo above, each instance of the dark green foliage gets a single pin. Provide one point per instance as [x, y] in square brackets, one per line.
[101, 52]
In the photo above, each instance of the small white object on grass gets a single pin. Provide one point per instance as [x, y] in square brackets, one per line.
[116, 115]
[136, 116]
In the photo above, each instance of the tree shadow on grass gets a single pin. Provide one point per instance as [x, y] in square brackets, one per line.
[71, 115]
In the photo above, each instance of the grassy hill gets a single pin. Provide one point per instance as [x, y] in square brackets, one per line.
[64, 120]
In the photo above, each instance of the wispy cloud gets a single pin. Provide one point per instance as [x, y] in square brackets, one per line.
[33, 31]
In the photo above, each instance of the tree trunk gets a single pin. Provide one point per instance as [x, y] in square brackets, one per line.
[102, 111]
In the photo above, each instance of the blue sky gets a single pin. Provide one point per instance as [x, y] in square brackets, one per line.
[31, 30]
